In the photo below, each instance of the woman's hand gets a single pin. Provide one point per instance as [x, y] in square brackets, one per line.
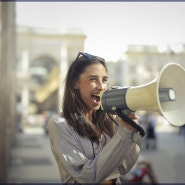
[127, 125]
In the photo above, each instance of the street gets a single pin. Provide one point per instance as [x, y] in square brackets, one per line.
[32, 160]
[169, 159]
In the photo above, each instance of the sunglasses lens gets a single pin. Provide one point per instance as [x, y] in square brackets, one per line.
[100, 59]
[87, 55]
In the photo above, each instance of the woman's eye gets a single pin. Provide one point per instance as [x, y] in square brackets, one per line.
[104, 80]
[93, 79]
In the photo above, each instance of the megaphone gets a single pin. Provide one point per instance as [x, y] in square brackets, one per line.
[164, 95]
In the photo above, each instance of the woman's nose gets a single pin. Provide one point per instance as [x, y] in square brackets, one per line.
[101, 86]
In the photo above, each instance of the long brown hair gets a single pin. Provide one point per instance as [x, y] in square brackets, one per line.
[73, 108]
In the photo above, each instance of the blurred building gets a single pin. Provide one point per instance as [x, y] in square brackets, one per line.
[43, 56]
[8, 84]
[141, 63]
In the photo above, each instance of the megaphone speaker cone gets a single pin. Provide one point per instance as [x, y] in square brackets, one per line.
[173, 75]
[164, 95]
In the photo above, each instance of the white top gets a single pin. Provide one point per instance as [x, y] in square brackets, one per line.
[75, 154]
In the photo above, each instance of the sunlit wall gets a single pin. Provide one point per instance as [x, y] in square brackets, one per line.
[7, 87]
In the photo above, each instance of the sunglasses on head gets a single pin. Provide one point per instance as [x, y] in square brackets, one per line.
[87, 55]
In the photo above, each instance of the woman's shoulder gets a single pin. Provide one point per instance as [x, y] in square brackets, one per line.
[59, 128]
[58, 122]
[57, 119]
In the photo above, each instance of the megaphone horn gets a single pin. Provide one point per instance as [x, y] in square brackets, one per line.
[163, 95]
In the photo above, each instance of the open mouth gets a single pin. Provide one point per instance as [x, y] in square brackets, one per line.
[96, 98]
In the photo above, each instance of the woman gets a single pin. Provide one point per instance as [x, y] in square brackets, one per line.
[87, 145]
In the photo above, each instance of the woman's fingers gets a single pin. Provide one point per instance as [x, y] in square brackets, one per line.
[127, 125]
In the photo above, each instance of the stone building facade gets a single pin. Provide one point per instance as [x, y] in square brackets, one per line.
[43, 56]
[140, 64]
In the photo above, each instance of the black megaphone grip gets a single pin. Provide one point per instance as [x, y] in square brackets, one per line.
[131, 122]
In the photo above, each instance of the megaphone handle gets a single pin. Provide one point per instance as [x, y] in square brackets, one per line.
[131, 122]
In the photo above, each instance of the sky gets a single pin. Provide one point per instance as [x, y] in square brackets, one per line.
[110, 26]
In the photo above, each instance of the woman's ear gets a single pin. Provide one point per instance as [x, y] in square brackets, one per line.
[76, 85]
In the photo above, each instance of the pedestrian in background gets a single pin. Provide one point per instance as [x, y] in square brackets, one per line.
[151, 137]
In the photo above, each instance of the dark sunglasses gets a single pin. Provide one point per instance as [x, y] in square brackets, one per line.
[87, 55]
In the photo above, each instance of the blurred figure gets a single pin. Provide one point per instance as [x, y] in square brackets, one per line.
[148, 121]
[19, 115]
[182, 131]
[142, 172]
[47, 116]
[151, 137]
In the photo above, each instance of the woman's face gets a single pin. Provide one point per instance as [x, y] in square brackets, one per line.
[90, 83]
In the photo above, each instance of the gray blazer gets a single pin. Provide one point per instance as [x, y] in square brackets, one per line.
[81, 161]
